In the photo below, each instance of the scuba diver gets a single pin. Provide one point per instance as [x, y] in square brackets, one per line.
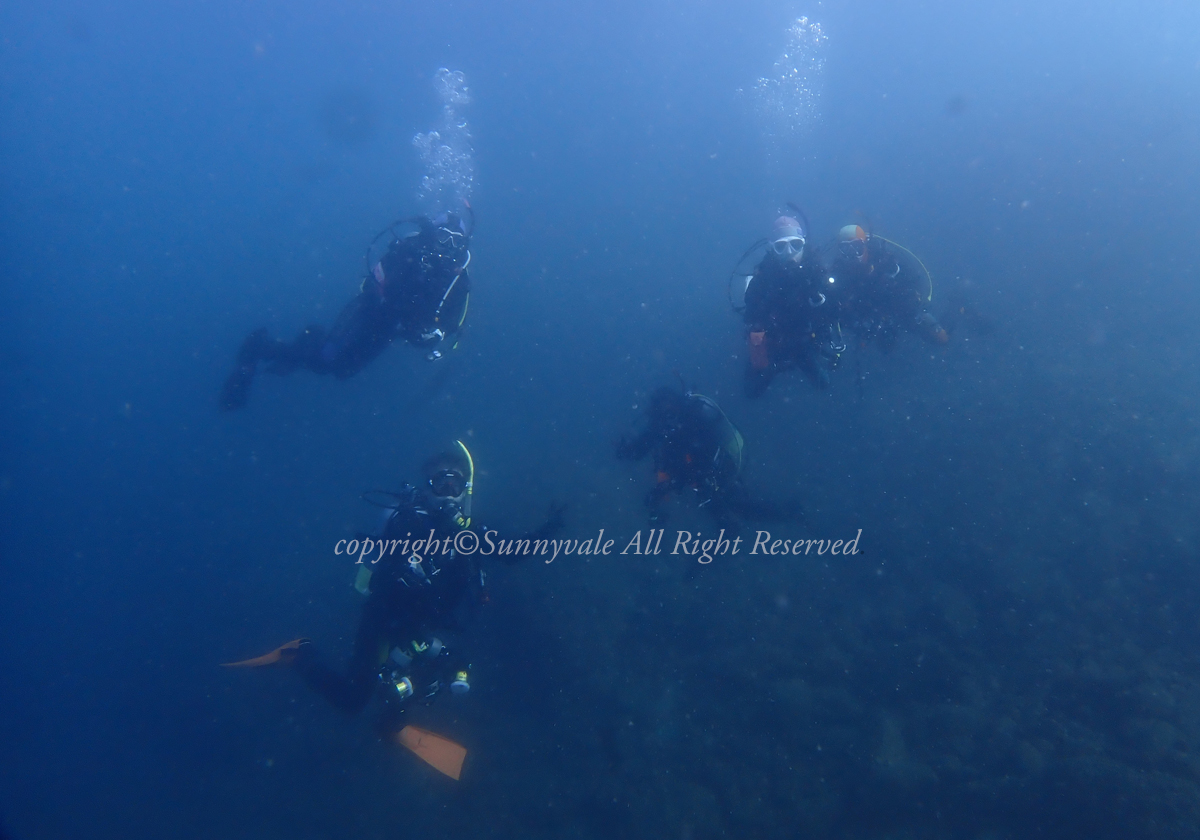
[697, 449]
[415, 598]
[417, 291]
[789, 320]
[882, 288]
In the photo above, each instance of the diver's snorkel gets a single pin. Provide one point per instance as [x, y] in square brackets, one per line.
[803, 218]
[463, 519]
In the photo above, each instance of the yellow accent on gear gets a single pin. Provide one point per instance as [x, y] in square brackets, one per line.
[733, 443]
[465, 521]
[928, 276]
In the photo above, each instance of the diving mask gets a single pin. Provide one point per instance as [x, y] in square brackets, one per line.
[855, 248]
[449, 484]
[788, 246]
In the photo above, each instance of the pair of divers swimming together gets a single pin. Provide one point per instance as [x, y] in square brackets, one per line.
[801, 308]
[799, 311]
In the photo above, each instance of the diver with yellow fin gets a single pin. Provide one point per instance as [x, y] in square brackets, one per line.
[697, 451]
[415, 597]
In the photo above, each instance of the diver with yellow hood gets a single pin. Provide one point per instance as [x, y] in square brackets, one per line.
[415, 595]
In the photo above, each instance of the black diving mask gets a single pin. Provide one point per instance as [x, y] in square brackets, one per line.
[449, 484]
[853, 248]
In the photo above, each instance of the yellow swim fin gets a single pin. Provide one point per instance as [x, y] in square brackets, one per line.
[440, 753]
[283, 653]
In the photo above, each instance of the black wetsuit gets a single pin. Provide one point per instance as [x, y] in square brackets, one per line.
[789, 321]
[696, 449]
[409, 602]
[418, 292]
[881, 294]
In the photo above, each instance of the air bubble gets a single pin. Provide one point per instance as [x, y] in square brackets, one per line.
[787, 102]
[446, 151]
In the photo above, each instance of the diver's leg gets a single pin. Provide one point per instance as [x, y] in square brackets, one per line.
[655, 500]
[724, 516]
[929, 328]
[304, 351]
[350, 692]
[887, 336]
[363, 330]
[236, 389]
[757, 379]
[736, 501]
[366, 347]
[322, 351]
[346, 692]
[339, 690]
[816, 361]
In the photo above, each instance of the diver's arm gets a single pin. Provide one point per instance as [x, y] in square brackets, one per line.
[553, 524]
[755, 297]
[448, 317]
[765, 293]
[555, 518]
[441, 307]
[637, 447]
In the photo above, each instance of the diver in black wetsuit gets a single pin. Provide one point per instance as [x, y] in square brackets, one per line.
[414, 599]
[788, 323]
[696, 449]
[882, 288]
[418, 291]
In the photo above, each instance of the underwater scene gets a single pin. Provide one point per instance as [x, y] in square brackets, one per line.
[600, 419]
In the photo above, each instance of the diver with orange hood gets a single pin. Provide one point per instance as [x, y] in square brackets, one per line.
[882, 288]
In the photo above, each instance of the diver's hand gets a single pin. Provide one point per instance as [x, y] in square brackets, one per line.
[553, 524]
[555, 519]
[628, 448]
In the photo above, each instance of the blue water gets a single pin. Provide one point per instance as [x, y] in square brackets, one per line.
[1011, 655]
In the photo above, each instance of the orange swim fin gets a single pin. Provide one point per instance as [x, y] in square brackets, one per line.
[283, 653]
[442, 753]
